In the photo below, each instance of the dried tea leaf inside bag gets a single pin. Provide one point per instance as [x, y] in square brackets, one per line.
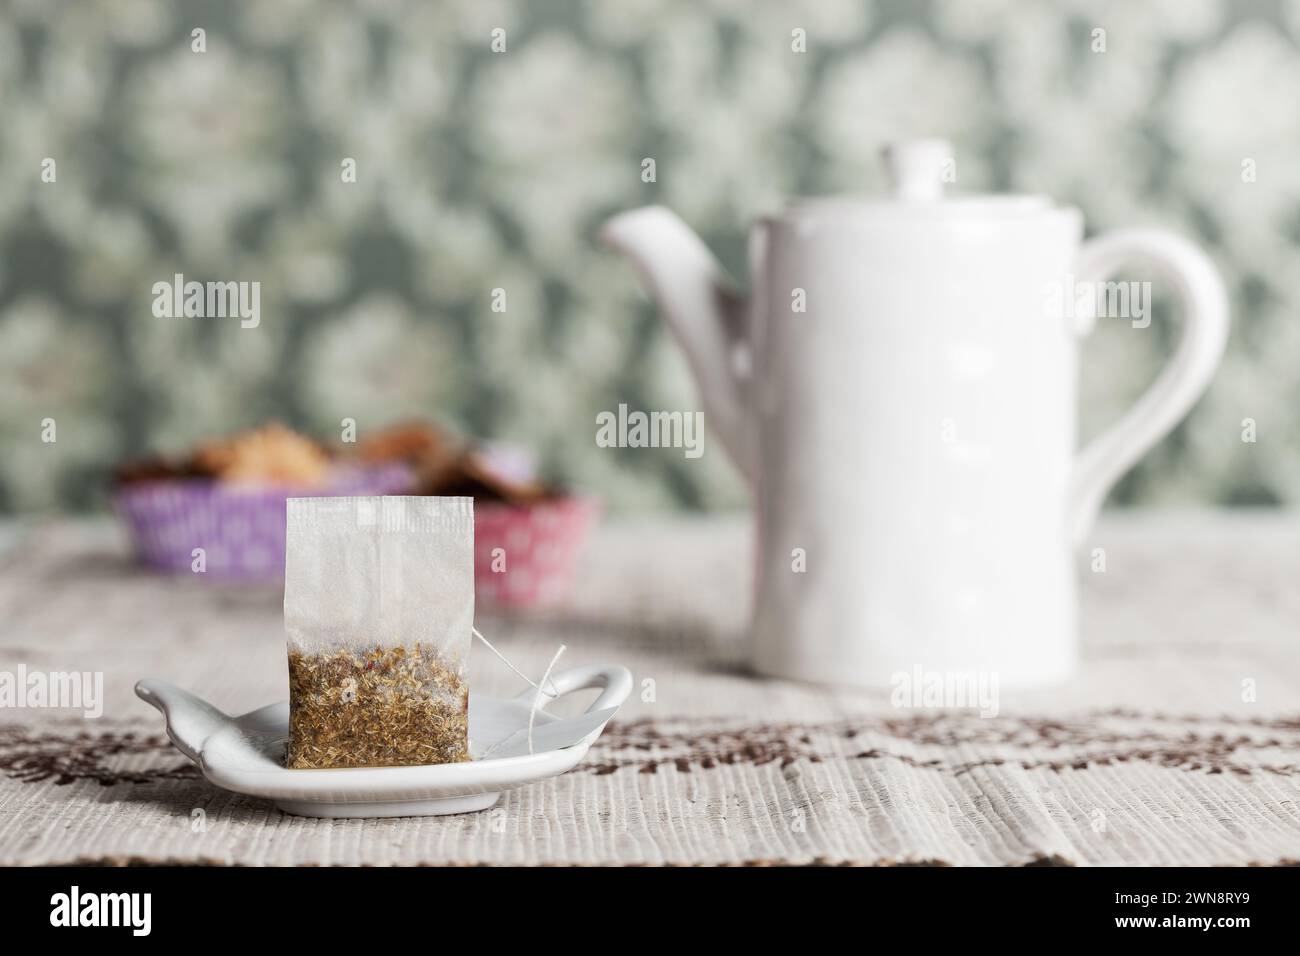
[378, 611]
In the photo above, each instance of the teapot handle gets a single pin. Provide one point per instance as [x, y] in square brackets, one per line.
[1204, 305]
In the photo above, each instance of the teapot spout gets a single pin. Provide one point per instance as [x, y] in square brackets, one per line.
[705, 313]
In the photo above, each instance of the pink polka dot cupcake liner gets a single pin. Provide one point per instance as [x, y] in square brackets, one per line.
[525, 557]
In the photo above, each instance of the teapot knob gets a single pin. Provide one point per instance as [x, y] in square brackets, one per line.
[916, 167]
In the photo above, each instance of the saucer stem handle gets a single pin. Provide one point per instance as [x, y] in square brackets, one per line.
[190, 720]
[615, 684]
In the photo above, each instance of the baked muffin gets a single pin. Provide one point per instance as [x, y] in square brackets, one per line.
[273, 455]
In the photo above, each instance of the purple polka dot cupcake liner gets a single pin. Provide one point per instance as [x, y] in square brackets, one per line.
[228, 531]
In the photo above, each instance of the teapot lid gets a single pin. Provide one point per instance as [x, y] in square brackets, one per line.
[918, 170]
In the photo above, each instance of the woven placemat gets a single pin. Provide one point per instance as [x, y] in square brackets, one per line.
[1155, 755]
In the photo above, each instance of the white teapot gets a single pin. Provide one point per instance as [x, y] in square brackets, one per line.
[899, 390]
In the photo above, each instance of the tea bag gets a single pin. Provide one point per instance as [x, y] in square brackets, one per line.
[378, 610]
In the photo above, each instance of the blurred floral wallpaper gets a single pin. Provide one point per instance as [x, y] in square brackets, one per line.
[478, 170]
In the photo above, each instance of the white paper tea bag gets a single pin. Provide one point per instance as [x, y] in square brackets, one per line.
[378, 612]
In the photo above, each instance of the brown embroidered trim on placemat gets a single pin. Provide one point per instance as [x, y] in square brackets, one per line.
[35, 756]
[923, 740]
[1100, 739]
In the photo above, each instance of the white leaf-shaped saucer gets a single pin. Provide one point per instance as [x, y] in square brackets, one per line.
[246, 754]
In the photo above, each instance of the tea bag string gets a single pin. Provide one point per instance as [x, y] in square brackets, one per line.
[537, 698]
[552, 693]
